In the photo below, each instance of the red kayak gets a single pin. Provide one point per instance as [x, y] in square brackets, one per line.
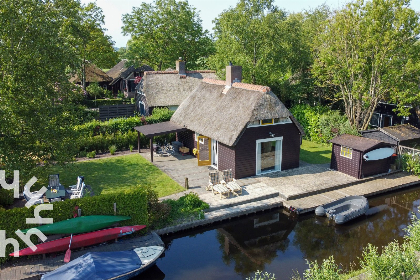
[80, 240]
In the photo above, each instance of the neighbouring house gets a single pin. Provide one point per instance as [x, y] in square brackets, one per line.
[360, 157]
[168, 88]
[93, 74]
[398, 135]
[384, 116]
[125, 78]
[239, 126]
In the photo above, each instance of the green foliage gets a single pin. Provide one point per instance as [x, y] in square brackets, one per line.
[395, 262]
[132, 202]
[112, 149]
[95, 90]
[260, 275]
[163, 31]
[409, 163]
[328, 270]
[103, 102]
[320, 123]
[368, 51]
[131, 147]
[6, 197]
[91, 154]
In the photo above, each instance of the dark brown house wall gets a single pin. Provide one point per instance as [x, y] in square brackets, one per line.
[374, 167]
[245, 160]
[345, 165]
[186, 138]
[226, 158]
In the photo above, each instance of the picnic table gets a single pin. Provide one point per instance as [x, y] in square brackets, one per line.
[55, 192]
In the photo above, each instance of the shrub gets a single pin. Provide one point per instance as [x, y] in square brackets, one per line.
[260, 275]
[6, 197]
[112, 149]
[131, 147]
[91, 154]
[328, 270]
[131, 203]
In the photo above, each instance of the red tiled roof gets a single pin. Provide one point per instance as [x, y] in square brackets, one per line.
[251, 87]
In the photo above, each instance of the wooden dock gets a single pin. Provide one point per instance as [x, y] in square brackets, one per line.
[367, 188]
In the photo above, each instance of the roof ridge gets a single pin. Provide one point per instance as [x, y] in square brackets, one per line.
[214, 82]
[252, 87]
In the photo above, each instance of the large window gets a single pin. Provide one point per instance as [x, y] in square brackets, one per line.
[269, 155]
[346, 152]
[269, 122]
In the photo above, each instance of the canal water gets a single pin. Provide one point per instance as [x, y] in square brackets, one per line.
[280, 243]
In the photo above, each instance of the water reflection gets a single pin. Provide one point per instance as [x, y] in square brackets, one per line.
[280, 243]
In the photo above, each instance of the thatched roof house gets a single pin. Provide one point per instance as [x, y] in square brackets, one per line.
[168, 88]
[93, 75]
[240, 126]
[123, 77]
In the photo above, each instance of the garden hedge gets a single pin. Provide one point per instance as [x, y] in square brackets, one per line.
[103, 102]
[131, 203]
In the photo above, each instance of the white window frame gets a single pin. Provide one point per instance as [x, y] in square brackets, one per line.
[288, 120]
[278, 155]
[350, 151]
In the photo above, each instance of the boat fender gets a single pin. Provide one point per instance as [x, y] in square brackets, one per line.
[339, 219]
[320, 211]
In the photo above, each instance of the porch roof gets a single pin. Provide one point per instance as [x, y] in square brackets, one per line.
[156, 129]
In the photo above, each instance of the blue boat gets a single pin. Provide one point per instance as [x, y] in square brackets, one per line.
[119, 265]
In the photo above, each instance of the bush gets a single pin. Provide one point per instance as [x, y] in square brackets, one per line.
[6, 197]
[102, 102]
[112, 149]
[328, 270]
[131, 203]
[91, 154]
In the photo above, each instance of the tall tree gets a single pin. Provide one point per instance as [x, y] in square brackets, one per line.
[163, 31]
[263, 40]
[35, 94]
[89, 40]
[368, 51]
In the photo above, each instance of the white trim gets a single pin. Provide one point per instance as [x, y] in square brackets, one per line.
[278, 154]
[214, 153]
[258, 125]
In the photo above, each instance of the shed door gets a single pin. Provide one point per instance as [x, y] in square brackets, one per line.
[204, 150]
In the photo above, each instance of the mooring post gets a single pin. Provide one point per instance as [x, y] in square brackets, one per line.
[79, 212]
[186, 184]
[115, 208]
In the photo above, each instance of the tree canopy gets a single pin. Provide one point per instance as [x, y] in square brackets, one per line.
[368, 52]
[162, 32]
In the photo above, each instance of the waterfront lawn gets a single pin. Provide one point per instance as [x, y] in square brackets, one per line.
[315, 153]
[115, 173]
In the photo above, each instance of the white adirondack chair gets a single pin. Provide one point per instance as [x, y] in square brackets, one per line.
[78, 186]
[28, 195]
[78, 193]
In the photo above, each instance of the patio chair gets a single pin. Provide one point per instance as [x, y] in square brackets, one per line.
[231, 183]
[78, 186]
[28, 195]
[216, 187]
[79, 193]
[54, 181]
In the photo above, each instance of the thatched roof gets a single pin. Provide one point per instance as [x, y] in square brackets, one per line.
[116, 71]
[168, 88]
[223, 113]
[356, 142]
[93, 75]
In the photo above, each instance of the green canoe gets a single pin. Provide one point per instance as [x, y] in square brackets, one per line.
[80, 224]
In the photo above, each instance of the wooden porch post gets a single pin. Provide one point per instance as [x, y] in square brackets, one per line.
[151, 149]
[138, 140]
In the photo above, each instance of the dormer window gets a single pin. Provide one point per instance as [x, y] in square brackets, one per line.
[267, 121]
[270, 122]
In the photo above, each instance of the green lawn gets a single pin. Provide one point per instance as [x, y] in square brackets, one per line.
[116, 173]
[311, 152]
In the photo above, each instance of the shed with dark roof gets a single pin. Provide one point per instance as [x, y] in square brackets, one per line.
[347, 156]
[239, 126]
[398, 135]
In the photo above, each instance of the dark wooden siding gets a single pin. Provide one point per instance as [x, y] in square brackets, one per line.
[245, 150]
[186, 138]
[374, 167]
[226, 158]
[116, 111]
[346, 165]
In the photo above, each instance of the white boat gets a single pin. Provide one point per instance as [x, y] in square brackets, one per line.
[378, 154]
[119, 265]
[344, 209]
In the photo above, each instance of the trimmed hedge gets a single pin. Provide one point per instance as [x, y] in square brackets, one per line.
[133, 203]
[103, 102]
[6, 197]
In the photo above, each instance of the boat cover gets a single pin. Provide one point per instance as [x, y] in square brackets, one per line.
[96, 266]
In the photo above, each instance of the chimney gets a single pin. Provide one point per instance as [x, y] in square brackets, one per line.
[233, 74]
[180, 66]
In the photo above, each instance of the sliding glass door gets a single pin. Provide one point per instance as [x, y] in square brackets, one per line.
[269, 153]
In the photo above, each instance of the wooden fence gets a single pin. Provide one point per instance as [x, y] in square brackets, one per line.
[116, 111]
[408, 150]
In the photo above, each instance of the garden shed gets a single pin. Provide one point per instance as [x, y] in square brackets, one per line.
[398, 135]
[239, 126]
[360, 157]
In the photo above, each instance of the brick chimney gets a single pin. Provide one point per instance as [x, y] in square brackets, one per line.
[180, 66]
[233, 74]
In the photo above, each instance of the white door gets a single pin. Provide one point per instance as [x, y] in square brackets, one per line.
[268, 155]
[214, 152]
